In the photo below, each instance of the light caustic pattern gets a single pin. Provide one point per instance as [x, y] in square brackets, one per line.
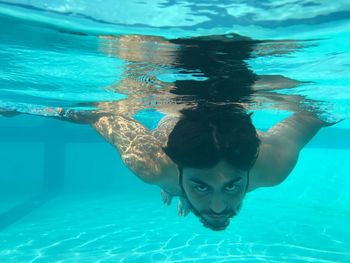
[70, 229]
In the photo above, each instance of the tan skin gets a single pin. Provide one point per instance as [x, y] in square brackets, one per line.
[142, 152]
[216, 193]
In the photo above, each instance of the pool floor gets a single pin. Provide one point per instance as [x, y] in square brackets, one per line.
[127, 228]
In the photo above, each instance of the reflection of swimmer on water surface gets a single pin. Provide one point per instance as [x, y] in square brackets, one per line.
[219, 60]
[206, 151]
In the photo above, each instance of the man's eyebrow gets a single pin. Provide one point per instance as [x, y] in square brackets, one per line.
[234, 180]
[197, 181]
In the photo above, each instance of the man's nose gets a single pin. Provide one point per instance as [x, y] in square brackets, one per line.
[218, 204]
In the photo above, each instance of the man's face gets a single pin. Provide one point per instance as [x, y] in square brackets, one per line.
[215, 195]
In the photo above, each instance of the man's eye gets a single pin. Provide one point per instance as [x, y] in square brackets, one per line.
[201, 188]
[231, 187]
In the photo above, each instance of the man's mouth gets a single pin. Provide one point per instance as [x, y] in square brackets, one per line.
[216, 223]
[217, 217]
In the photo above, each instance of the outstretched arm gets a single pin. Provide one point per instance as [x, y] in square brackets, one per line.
[280, 148]
[139, 150]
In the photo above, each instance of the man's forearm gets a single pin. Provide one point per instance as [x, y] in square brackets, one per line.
[299, 128]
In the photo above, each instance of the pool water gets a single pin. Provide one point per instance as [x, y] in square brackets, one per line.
[65, 195]
[104, 214]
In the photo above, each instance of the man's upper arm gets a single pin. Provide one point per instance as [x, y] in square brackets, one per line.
[275, 162]
[139, 150]
[280, 148]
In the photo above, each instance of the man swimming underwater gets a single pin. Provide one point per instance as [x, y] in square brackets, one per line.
[209, 154]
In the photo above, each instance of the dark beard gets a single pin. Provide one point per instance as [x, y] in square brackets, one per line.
[208, 224]
[199, 215]
[214, 227]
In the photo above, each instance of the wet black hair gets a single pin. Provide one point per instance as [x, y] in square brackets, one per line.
[208, 133]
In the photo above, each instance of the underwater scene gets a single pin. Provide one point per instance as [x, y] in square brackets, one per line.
[174, 131]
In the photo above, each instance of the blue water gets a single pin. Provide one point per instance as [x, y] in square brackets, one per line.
[102, 212]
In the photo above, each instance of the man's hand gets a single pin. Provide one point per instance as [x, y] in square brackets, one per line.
[182, 209]
[166, 197]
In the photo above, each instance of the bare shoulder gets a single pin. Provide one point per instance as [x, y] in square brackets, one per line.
[276, 159]
[280, 148]
[164, 128]
[138, 148]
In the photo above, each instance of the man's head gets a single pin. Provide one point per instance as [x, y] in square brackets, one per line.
[214, 148]
[214, 195]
